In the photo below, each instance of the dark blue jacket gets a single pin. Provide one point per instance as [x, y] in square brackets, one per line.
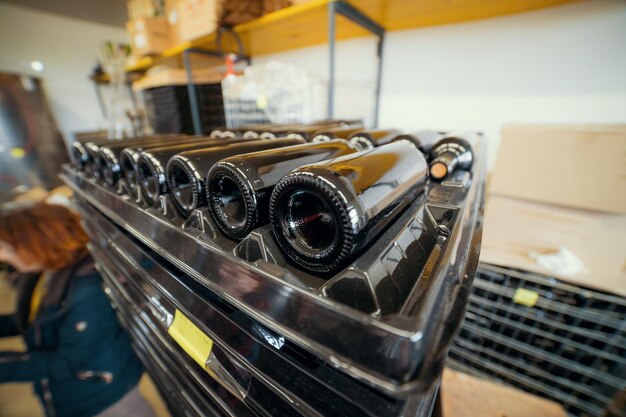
[79, 358]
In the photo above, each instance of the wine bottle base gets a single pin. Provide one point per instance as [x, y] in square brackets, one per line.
[311, 223]
[185, 186]
[231, 202]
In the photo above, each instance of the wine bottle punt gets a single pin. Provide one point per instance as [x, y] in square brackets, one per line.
[79, 154]
[295, 129]
[93, 165]
[223, 133]
[278, 131]
[108, 159]
[186, 172]
[307, 133]
[239, 187]
[453, 152]
[151, 164]
[129, 156]
[323, 215]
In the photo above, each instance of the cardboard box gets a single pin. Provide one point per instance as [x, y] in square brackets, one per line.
[148, 36]
[579, 166]
[556, 204]
[271, 6]
[196, 18]
[171, 14]
[235, 12]
[514, 229]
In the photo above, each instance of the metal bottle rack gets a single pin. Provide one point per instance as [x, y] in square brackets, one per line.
[369, 341]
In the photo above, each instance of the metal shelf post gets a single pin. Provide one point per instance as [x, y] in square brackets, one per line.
[350, 12]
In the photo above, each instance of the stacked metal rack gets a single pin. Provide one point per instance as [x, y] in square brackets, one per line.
[568, 344]
[369, 341]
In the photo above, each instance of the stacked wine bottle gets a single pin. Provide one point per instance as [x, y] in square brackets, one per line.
[327, 190]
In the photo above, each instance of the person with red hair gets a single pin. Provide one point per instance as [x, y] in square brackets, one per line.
[78, 357]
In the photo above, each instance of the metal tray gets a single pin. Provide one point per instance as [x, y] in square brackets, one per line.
[386, 320]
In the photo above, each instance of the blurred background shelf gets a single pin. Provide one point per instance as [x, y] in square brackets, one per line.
[306, 24]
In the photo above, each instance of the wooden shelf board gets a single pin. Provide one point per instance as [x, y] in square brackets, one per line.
[306, 25]
[411, 14]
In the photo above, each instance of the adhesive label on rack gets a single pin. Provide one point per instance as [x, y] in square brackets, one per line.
[193, 340]
[526, 297]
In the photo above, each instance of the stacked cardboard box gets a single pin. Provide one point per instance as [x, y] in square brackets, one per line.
[152, 30]
[148, 35]
[557, 204]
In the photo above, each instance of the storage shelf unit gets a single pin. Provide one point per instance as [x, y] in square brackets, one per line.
[305, 24]
[327, 21]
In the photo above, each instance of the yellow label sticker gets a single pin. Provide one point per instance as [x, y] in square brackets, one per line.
[193, 341]
[18, 153]
[526, 297]
[261, 102]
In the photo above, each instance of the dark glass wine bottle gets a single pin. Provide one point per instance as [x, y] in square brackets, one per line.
[370, 138]
[254, 131]
[341, 132]
[453, 152]
[239, 188]
[79, 154]
[324, 214]
[284, 130]
[258, 128]
[423, 139]
[224, 133]
[278, 132]
[108, 159]
[92, 167]
[129, 155]
[151, 164]
[186, 171]
[307, 133]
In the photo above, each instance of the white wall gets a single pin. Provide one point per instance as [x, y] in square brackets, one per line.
[68, 48]
[560, 65]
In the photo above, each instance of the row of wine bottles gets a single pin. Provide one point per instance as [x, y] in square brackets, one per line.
[326, 200]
